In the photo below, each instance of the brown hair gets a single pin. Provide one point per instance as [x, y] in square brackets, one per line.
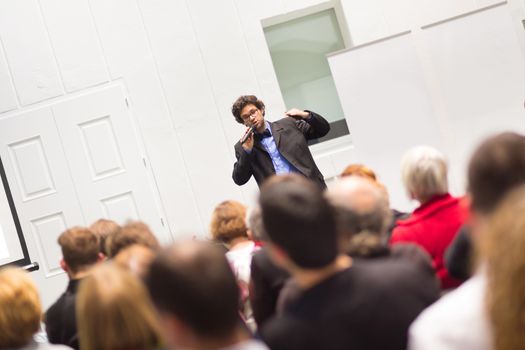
[194, 282]
[104, 228]
[497, 166]
[242, 102]
[114, 311]
[20, 309]
[502, 246]
[228, 221]
[134, 232]
[80, 248]
[135, 258]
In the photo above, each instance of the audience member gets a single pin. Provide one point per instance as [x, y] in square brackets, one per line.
[364, 171]
[496, 168]
[228, 225]
[254, 228]
[433, 225]
[104, 228]
[134, 232]
[363, 217]
[196, 295]
[135, 258]
[343, 304]
[267, 279]
[502, 247]
[80, 251]
[20, 312]
[114, 312]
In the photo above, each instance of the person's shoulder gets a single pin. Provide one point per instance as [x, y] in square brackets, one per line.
[57, 306]
[286, 121]
[456, 311]
[286, 332]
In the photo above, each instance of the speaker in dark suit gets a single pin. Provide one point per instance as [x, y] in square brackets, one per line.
[269, 148]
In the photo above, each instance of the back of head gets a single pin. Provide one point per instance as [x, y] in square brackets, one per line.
[254, 223]
[193, 282]
[80, 248]
[20, 309]
[104, 228]
[114, 311]
[359, 170]
[363, 213]
[502, 247]
[134, 232]
[135, 258]
[228, 221]
[298, 219]
[424, 173]
[496, 167]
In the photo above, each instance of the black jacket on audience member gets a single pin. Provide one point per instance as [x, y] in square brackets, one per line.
[266, 282]
[60, 318]
[367, 306]
[458, 256]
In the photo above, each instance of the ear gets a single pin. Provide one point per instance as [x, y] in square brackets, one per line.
[249, 233]
[101, 257]
[263, 111]
[63, 265]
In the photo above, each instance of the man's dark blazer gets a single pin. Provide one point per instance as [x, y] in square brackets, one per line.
[60, 318]
[290, 137]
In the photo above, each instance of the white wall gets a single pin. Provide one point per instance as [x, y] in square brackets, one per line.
[183, 62]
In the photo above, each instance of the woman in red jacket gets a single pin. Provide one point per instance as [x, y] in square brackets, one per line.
[434, 224]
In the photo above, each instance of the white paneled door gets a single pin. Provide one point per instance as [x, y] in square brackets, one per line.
[70, 164]
[106, 161]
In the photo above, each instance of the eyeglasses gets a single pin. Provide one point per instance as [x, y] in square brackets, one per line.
[249, 114]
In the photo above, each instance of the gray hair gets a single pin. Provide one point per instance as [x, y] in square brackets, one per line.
[362, 210]
[424, 173]
[254, 223]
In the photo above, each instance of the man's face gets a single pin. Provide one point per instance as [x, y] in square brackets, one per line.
[252, 116]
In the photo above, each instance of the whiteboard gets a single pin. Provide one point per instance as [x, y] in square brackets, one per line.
[13, 249]
[449, 86]
[387, 106]
[480, 70]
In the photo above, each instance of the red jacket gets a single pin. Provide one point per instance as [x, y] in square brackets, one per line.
[433, 226]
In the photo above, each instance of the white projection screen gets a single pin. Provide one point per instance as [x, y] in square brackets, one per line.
[13, 248]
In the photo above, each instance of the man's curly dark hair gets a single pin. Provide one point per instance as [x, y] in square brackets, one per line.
[242, 102]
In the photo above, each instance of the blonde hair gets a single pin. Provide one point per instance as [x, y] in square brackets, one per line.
[20, 308]
[424, 173]
[114, 311]
[228, 221]
[501, 247]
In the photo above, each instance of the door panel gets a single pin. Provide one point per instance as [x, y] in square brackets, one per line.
[40, 182]
[106, 160]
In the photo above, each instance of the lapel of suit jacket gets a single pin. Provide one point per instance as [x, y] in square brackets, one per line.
[276, 132]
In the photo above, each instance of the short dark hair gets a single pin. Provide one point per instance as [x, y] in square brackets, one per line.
[193, 281]
[134, 232]
[80, 248]
[242, 102]
[300, 220]
[496, 167]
